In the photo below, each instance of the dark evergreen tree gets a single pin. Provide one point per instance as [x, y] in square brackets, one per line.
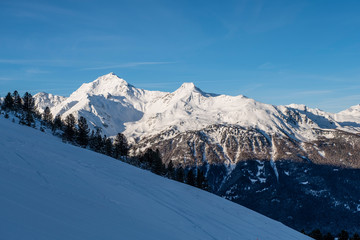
[96, 141]
[8, 104]
[157, 166]
[108, 147]
[58, 124]
[201, 181]
[29, 110]
[170, 170]
[147, 158]
[28, 103]
[121, 147]
[17, 101]
[328, 236]
[316, 234]
[190, 178]
[180, 174]
[355, 237]
[343, 235]
[69, 128]
[47, 116]
[82, 137]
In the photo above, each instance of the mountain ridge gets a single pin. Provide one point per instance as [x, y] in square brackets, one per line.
[154, 111]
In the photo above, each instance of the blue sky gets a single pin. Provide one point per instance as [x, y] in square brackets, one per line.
[278, 52]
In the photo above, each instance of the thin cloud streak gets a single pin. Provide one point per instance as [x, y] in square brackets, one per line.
[125, 65]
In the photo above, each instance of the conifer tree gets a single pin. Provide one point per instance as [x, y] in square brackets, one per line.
[328, 236]
[58, 124]
[29, 109]
[316, 234]
[96, 141]
[170, 170]
[157, 166]
[343, 235]
[28, 102]
[180, 174]
[190, 178]
[17, 101]
[8, 104]
[108, 147]
[201, 181]
[47, 116]
[356, 236]
[69, 131]
[121, 146]
[82, 133]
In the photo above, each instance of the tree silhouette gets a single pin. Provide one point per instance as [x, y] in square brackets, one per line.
[69, 131]
[121, 147]
[82, 134]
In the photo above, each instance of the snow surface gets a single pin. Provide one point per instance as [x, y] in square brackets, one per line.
[112, 104]
[52, 190]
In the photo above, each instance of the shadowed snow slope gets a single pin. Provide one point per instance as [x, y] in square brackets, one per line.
[52, 190]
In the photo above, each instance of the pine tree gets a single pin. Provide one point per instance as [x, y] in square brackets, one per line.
[201, 181]
[316, 234]
[170, 170]
[17, 101]
[121, 146]
[190, 178]
[29, 109]
[328, 236]
[108, 147]
[69, 131]
[96, 141]
[47, 116]
[28, 103]
[8, 104]
[58, 124]
[82, 134]
[343, 235]
[355, 237]
[157, 166]
[180, 174]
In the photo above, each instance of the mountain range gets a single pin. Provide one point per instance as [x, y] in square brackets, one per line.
[289, 158]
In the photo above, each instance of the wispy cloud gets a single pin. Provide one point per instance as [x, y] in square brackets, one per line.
[266, 66]
[35, 71]
[43, 62]
[314, 92]
[6, 79]
[36, 10]
[125, 65]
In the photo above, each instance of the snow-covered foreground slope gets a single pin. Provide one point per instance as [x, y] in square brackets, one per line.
[51, 190]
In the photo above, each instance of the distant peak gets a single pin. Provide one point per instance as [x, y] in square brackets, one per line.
[111, 77]
[188, 85]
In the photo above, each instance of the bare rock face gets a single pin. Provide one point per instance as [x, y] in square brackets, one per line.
[306, 185]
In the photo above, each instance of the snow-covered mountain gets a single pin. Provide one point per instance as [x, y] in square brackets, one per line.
[114, 105]
[52, 190]
[283, 156]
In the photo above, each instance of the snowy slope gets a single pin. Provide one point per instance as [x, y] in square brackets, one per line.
[112, 104]
[51, 190]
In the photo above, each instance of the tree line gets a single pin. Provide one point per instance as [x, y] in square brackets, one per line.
[343, 235]
[77, 132]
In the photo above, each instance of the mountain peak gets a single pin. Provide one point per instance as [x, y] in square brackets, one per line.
[188, 85]
[111, 77]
